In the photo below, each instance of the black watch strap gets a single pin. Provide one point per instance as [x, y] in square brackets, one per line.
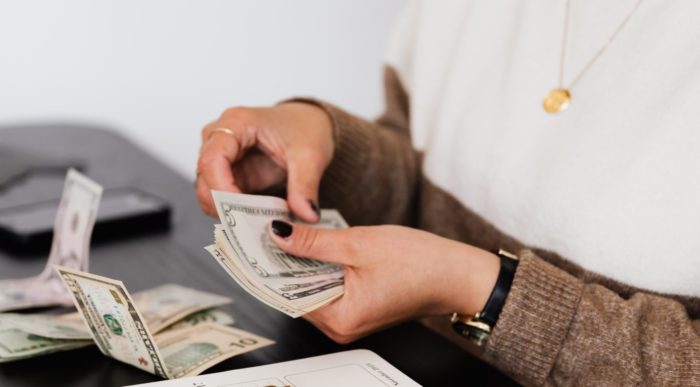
[497, 299]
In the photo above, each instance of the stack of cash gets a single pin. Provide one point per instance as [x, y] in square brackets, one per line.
[243, 248]
[164, 308]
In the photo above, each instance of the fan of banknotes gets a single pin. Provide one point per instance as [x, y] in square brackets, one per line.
[170, 331]
[244, 249]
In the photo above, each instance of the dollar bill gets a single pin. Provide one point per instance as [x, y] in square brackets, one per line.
[213, 315]
[70, 248]
[247, 285]
[46, 325]
[293, 285]
[16, 344]
[189, 351]
[115, 324]
[167, 304]
[121, 332]
[33, 292]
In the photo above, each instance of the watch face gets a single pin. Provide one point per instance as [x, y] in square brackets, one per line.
[477, 335]
[476, 331]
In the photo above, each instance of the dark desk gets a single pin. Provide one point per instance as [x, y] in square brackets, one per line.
[177, 256]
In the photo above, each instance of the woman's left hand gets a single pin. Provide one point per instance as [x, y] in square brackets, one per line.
[392, 274]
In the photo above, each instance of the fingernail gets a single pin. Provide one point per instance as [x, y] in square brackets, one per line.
[315, 207]
[282, 228]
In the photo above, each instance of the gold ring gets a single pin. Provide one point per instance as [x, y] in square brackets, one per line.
[222, 130]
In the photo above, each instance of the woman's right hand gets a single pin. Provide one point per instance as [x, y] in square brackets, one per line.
[263, 148]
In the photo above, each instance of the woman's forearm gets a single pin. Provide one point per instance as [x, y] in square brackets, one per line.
[557, 330]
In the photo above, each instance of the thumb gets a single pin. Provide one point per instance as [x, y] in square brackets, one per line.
[304, 177]
[311, 242]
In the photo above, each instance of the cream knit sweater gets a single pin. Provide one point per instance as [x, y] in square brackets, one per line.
[613, 183]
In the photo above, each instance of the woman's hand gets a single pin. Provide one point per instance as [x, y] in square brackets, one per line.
[392, 274]
[263, 147]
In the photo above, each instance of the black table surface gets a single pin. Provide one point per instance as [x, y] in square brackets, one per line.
[177, 256]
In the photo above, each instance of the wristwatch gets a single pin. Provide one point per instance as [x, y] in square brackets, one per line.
[477, 328]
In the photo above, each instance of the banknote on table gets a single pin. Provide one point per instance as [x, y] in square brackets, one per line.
[167, 304]
[188, 352]
[49, 327]
[213, 315]
[121, 332]
[70, 248]
[34, 334]
[162, 307]
[243, 247]
[52, 326]
[16, 344]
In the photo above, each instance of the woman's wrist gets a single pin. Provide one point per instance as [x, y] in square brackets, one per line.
[472, 277]
[313, 116]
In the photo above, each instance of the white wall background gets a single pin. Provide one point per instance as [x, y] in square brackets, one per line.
[158, 70]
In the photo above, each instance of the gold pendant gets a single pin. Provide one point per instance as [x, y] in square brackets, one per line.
[557, 100]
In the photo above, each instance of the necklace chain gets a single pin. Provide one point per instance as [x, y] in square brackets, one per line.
[597, 54]
[559, 98]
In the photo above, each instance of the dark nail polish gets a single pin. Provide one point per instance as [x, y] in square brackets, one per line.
[282, 228]
[315, 207]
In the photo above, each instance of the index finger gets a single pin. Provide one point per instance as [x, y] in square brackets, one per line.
[216, 161]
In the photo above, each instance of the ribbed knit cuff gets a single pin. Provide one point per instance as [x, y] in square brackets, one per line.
[353, 137]
[535, 320]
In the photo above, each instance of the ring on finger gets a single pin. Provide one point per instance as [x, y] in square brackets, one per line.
[221, 130]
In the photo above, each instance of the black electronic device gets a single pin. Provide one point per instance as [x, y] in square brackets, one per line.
[123, 212]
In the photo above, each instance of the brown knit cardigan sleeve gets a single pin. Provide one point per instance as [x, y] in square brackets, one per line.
[560, 324]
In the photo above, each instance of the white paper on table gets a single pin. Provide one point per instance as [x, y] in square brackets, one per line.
[358, 367]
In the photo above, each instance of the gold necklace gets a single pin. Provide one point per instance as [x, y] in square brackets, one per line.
[559, 98]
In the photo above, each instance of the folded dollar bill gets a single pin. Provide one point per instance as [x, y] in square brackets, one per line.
[70, 248]
[243, 248]
[122, 332]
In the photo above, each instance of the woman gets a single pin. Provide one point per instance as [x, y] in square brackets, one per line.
[595, 188]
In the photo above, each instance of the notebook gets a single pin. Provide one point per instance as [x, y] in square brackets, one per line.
[358, 367]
